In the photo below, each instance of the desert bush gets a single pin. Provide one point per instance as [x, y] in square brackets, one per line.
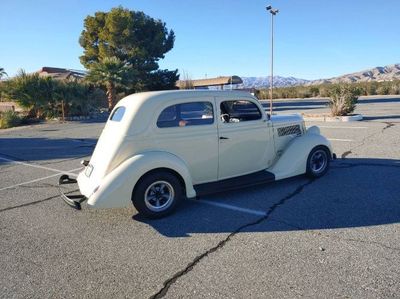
[9, 119]
[343, 99]
[384, 89]
[395, 88]
[44, 97]
[314, 90]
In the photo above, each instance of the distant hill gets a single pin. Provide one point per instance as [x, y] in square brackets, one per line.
[379, 73]
[264, 82]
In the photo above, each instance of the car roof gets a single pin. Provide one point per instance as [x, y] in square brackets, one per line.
[140, 107]
[165, 95]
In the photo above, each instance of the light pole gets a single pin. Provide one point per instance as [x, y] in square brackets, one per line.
[273, 12]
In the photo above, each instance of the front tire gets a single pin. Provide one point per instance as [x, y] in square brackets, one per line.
[318, 162]
[157, 194]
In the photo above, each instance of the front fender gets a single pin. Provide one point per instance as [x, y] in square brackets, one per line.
[116, 188]
[293, 161]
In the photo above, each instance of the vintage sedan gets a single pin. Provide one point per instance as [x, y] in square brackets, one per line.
[158, 148]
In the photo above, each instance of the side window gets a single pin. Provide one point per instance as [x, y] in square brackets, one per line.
[118, 114]
[186, 114]
[239, 111]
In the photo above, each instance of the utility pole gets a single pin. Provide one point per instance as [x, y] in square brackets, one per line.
[273, 12]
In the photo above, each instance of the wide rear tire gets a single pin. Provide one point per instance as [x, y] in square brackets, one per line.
[157, 194]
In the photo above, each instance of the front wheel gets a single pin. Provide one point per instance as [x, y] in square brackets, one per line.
[318, 162]
[157, 194]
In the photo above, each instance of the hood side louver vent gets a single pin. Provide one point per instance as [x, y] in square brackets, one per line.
[289, 130]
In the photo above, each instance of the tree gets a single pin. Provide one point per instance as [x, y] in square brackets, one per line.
[2, 72]
[110, 73]
[136, 39]
[162, 79]
[187, 82]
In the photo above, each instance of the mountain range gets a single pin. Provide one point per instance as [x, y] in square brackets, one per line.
[263, 82]
[379, 73]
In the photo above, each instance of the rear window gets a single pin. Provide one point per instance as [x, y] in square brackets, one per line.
[186, 114]
[118, 114]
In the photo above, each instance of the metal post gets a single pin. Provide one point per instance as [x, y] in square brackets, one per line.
[273, 12]
[272, 64]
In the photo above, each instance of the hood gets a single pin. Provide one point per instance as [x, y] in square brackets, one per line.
[286, 119]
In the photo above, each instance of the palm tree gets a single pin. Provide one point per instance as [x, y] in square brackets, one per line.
[2, 72]
[110, 72]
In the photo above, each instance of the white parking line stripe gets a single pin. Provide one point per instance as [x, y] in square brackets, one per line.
[344, 140]
[41, 179]
[231, 207]
[34, 165]
[333, 127]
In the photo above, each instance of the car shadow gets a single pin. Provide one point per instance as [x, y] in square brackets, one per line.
[36, 149]
[354, 193]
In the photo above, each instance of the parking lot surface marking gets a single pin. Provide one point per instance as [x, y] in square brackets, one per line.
[230, 207]
[36, 166]
[340, 127]
[337, 139]
[43, 178]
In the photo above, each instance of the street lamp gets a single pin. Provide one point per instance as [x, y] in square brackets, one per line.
[273, 12]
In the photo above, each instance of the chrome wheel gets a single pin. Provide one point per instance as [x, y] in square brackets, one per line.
[159, 196]
[318, 161]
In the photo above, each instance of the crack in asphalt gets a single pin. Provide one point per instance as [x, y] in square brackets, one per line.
[327, 236]
[35, 202]
[364, 140]
[388, 125]
[169, 282]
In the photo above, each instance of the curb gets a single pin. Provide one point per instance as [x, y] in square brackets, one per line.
[325, 118]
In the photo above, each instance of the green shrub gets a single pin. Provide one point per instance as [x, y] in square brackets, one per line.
[383, 89]
[44, 97]
[343, 99]
[9, 119]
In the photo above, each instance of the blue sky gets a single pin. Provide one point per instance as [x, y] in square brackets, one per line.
[314, 39]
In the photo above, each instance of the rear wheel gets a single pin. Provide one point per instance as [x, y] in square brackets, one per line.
[318, 162]
[157, 194]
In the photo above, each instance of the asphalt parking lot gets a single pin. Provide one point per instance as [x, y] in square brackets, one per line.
[337, 236]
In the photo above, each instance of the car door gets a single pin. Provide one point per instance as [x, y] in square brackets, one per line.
[187, 128]
[245, 140]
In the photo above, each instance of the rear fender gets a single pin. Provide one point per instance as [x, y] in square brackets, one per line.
[116, 188]
[293, 161]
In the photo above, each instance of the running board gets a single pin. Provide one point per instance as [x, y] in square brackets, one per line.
[256, 178]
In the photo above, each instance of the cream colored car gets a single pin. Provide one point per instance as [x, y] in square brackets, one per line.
[160, 147]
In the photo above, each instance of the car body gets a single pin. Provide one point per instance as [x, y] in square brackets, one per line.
[203, 141]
